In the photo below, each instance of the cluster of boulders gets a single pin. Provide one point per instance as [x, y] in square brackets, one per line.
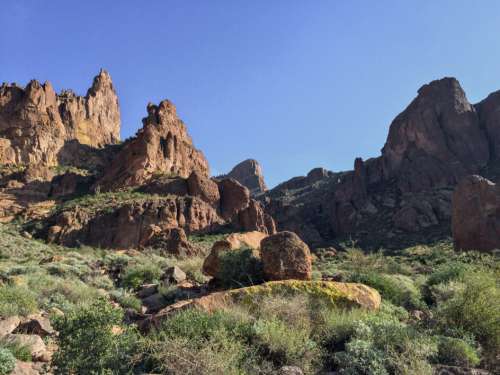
[284, 255]
[172, 208]
[33, 332]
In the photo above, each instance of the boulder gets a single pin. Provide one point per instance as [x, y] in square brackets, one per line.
[173, 275]
[33, 342]
[25, 368]
[234, 241]
[203, 187]
[234, 197]
[285, 256]
[476, 214]
[9, 325]
[345, 295]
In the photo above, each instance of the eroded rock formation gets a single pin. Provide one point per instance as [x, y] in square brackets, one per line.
[162, 146]
[35, 122]
[249, 174]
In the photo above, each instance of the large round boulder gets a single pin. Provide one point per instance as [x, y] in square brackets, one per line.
[252, 240]
[285, 256]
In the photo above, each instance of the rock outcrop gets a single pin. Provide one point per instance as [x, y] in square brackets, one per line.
[162, 146]
[344, 295]
[285, 256]
[249, 174]
[36, 123]
[436, 141]
[476, 214]
[402, 197]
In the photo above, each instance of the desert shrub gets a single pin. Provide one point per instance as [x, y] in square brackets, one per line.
[53, 291]
[440, 293]
[196, 342]
[381, 345]
[20, 352]
[475, 310]
[126, 300]
[87, 343]
[456, 352]
[137, 274]
[17, 300]
[448, 272]
[334, 327]
[361, 358]
[219, 354]
[7, 362]
[398, 289]
[287, 345]
[192, 267]
[240, 268]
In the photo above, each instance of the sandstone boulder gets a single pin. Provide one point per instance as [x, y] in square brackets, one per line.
[234, 241]
[476, 214]
[345, 295]
[285, 256]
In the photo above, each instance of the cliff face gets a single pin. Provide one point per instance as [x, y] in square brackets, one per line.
[404, 195]
[35, 122]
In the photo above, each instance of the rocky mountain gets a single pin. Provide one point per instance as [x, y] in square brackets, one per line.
[36, 124]
[249, 174]
[404, 195]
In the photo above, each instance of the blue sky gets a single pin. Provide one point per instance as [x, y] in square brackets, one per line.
[294, 84]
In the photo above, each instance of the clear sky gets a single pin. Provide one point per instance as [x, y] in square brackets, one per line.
[295, 84]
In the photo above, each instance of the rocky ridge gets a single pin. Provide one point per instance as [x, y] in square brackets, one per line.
[404, 195]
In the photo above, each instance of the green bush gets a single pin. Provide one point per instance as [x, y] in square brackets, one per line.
[398, 289]
[240, 268]
[196, 342]
[17, 300]
[7, 362]
[20, 352]
[456, 352]
[137, 275]
[361, 358]
[127, 300]
[286, 345]
[87, 343]
[475, 310]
